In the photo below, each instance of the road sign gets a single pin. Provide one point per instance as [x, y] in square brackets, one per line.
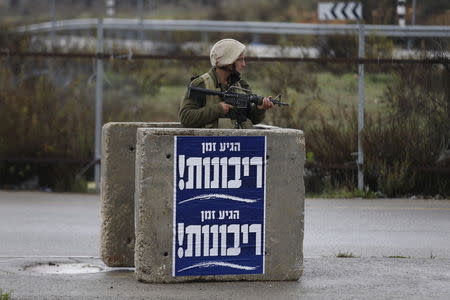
[339, 11]
[219, 205]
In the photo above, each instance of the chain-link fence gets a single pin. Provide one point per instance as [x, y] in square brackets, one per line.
[47, 108]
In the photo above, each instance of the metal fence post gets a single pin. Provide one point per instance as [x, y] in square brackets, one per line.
[98, 104]
[361, 41]
[53, 17]
[205, 41]
[413, 22]
[140, 11]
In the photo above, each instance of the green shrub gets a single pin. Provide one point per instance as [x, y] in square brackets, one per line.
[396, 179]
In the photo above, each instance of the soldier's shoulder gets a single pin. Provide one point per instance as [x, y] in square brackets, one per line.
[197, 81]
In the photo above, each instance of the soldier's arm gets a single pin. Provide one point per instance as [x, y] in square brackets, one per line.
[196, 113]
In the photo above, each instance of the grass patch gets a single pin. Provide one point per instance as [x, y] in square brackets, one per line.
[169, 95]
[91, 187]
[4, 296]
[345, 87]
[398, 256]
[345, 255]
[344, 192]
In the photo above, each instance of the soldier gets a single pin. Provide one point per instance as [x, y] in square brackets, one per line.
[207, 111]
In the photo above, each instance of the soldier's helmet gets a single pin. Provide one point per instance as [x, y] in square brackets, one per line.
[225, 52]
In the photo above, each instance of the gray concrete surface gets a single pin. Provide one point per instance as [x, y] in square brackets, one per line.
[117, 191]
[43, 228]
[285, 194]
[49, 224]
[378, 227]
[324, 278]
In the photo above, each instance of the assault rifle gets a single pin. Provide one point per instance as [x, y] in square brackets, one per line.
[239, 101]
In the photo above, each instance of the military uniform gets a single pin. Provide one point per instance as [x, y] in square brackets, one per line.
[206, 112]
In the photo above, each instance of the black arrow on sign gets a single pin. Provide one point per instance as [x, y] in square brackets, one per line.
[332, 10]
[343, 10]
[355, 12]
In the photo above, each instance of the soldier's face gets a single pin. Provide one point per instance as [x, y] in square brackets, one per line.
[240, 63]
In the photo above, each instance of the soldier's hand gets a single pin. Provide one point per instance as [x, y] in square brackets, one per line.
[226, 107]
[266, 104]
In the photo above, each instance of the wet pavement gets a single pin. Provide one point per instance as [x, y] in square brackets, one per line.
[324, 277]
[49, 250]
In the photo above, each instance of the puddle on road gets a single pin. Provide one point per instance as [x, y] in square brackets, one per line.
[64, 268]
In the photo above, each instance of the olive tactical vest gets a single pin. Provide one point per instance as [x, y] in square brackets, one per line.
[211, 100]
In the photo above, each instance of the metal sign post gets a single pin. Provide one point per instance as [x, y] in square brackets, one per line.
[401, 12]
[53, 17]
[351, 11]
[361, 107]
[98, 104]
[110, 8]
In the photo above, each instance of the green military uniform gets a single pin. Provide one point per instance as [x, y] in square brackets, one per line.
[206, 112]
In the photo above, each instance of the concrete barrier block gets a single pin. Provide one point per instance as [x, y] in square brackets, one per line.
[117, 191]
[284, 206]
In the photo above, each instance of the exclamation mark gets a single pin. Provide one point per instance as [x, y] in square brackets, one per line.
[180, 239]
[181, 164]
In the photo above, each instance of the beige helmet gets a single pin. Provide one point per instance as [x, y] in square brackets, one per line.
[225, 52]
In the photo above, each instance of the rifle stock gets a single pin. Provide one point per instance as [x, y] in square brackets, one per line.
[195, 92]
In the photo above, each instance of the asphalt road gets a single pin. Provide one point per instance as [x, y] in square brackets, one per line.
[55, 230]
[377, 227]
[50, 224]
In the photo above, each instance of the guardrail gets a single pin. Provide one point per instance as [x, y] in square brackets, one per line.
[241, 27]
